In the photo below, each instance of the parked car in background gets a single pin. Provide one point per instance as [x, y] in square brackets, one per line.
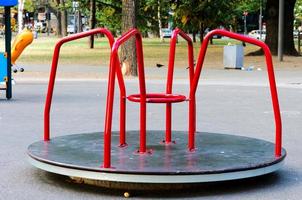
[71, 29]
[207, 30]
[257, 34]
[167, 33]
[296, 32]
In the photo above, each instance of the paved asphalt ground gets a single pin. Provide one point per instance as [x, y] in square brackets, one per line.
[229, 101]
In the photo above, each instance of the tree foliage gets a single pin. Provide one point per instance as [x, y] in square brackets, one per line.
[197, 15]
[29, 5]
[298, 13]
[149, 13]
[194, 16]
[271, 17]
[108, 13]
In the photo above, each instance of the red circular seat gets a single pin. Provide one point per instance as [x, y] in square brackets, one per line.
[158, 98]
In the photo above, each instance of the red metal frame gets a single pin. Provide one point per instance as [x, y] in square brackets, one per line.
[167, 98]
[115, 68]
[169, 84]
[142, 97]
[272, 83]
[54, 71]
[158, 98]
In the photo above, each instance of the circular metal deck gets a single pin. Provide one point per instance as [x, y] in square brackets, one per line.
[219, 157]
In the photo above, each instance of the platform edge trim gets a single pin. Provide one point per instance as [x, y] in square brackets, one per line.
[157, 179]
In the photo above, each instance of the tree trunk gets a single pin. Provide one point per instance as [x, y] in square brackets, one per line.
[201, 29]
[194, 36]
[92, 22]
[53, 9]
[128, 53]
[64, 23]
[80, 25]
[271, 38]
[63, 19]
[20, 15]
[289, 45]
[59, 25]
[160, 26]
[272, 14]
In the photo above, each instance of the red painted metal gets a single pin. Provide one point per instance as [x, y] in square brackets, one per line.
[114, 68]
[271, 77]
[142, 97]
[169, 84]
[54, 70]
[167, 97]
[158, 98]
[122, 103]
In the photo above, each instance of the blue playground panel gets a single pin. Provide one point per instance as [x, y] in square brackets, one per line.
[8, 2]
[3, 67]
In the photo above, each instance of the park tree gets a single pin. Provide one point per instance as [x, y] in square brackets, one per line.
[251, 7]
[63, 13]
[159, 19]
[28, 5]
[59, 9]
[109, 15]
[102, 13]
[92, 21]
[20, 15]
[188, 17]
[128, 53]
[272, 14]
[197, 16]
[298, 13]
[156, 13]
[201, 14]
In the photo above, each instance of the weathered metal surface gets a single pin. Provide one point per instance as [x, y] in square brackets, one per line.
[217, 153]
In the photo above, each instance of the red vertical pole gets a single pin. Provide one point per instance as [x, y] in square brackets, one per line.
[191, 76]
[114, 68]
[109, 110]
[274, 96]
[192, 123]
[169, 85]
[49, 95]
[142, 86]
[122, 104]
[123, 122]
[192, 99]
[168, 123]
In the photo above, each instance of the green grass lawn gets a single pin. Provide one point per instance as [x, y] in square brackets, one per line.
[41, 51]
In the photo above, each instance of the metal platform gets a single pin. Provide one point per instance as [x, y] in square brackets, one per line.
[219, 157]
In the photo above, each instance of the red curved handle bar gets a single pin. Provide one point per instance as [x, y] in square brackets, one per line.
[114, 68]
[173, 42]
[271, 76]
[169, 84]
[158, 98]
[54, 66]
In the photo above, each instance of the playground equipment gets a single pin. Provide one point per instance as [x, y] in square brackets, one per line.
[124, 157]
[21, 41]
[5, 65]
[11, 54]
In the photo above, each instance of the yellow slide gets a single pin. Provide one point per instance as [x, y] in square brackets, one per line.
[20, 43]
